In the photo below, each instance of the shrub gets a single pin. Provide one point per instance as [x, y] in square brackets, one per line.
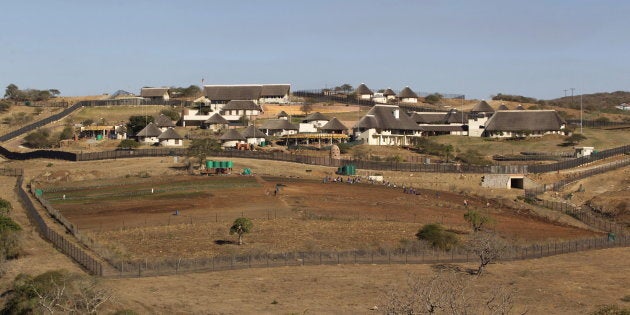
[38, 139]
[128, 143]
[171, 113]
[435, 235]
[5, 207]
[55, 291]
[611, 310]
[8, 225]
[4, 106]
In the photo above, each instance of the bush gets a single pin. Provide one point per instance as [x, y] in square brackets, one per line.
[5, 207]
[171, 113]
[10, 245]
[55, 291]
[128, 143]
[39, 139]
[611, 310]
[435, 235]
[4, 106]
[472, 156]
[433, 98]
[8, 225]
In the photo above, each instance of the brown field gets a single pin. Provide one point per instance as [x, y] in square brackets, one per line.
[333, 216]
[566, 284]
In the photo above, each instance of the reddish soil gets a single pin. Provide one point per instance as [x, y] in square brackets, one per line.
[306, 215]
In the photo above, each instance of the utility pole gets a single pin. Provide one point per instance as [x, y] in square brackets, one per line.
[565, 92]
[572, 96]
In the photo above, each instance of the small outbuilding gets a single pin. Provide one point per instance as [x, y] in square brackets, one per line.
[149, 134]
[170, 138]
[253, 136]
[363, 92]
[231, 138]
[216, 122]
[408, 96]
[160, 94]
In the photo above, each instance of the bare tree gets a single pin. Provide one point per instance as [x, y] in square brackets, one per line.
[447, 292]
[486, 246]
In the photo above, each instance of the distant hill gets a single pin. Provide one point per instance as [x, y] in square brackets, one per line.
[594, 102]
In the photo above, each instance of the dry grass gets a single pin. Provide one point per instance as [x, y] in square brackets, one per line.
[566, 284]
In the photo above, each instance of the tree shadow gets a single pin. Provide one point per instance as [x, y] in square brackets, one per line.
[224, 242]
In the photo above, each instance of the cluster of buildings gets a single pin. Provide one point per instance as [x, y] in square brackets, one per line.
[223, 105]
[406, 95]
[390, 125]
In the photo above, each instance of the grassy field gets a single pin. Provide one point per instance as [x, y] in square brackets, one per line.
[113, 114]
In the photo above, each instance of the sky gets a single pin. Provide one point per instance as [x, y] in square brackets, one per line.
[478, 48]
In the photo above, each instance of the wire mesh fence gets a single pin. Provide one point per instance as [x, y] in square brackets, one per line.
[63, 243]
[176, 265]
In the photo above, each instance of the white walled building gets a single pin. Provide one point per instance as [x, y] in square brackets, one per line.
[387, 125]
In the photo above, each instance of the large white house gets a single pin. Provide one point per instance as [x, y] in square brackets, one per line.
[387, 125]
[219, 95]
[520, 123]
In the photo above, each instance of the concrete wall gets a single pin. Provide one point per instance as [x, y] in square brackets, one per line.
[504, 181]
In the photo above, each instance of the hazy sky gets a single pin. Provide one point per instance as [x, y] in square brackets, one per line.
[479, 48]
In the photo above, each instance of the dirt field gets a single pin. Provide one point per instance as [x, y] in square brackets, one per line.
[124, 215]
[567, 284]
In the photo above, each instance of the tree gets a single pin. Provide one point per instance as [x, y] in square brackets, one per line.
[56, 291]
[241, 226]
[306, 107]
[574, 139]
[201, 148]
[448, 149]
[346, 87]
[476, 220]
[137, 123]
[447, 292]
[54, 92]
[433, 98]
[171, 113]
[437, 237]
[12, 92]
[486, 246]
[39, 139]
[67, 133]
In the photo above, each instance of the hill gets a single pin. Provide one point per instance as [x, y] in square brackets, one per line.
[604, 101]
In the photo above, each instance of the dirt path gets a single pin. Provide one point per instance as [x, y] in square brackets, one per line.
[38, 255]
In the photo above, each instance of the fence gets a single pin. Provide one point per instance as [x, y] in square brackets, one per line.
[585, 216]
[557, 186]
[155, 267]
[76, 252]
[11, 172]
[598, 123]
[579, 161]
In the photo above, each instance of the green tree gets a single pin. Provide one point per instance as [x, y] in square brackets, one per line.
[437, 237]
[54, 92]
[476, 220]
[67, 133]
[138, 122]
[171, 113]
[433, 98]
[39, 139]
[201, 148]
[12, 92]
[241, 226]
[128, 143]
[574, 139]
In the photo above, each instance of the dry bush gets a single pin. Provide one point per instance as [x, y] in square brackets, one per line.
[447, 292]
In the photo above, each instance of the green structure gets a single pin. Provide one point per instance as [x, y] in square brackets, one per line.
[348, 169]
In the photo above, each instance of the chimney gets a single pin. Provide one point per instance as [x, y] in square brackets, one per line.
[397, 113]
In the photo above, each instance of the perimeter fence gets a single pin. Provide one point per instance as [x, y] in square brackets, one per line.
[61, 241]
[169, 266]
